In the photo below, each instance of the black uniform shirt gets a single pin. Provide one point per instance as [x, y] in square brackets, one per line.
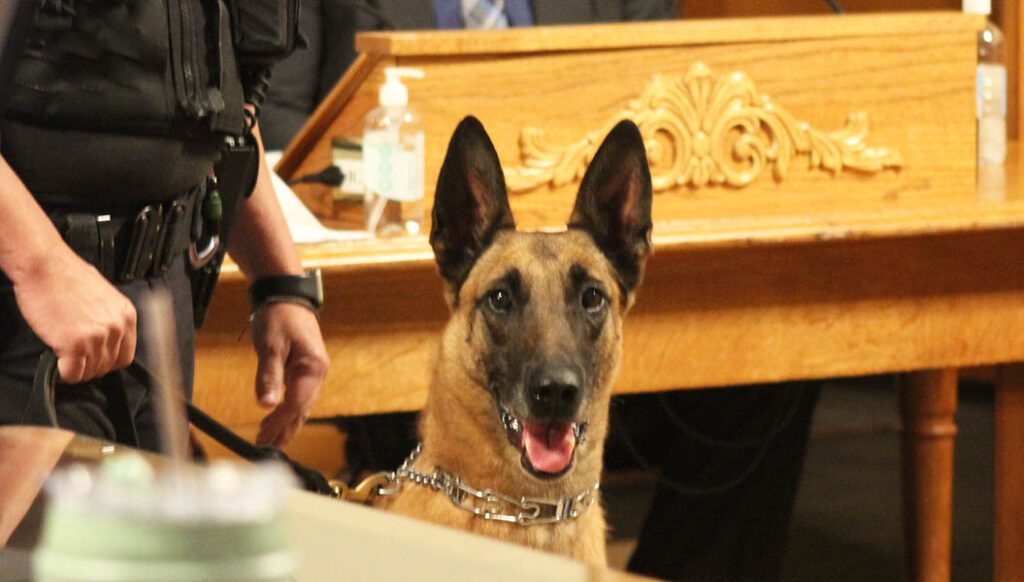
[109, 106]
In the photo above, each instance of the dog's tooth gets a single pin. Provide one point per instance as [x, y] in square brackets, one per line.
[510, 421]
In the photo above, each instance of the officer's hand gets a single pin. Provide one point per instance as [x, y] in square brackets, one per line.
[88, 323]
[292, 366]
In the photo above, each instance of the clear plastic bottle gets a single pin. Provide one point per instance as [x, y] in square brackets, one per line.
[991, 88]
[393, 160]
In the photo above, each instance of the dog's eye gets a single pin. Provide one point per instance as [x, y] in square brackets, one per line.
[593, 300]
[500, 300]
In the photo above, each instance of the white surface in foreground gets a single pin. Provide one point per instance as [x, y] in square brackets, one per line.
[337, 540]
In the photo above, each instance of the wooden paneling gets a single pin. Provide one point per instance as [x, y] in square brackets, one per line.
[1008, 14]
[916, 85]
[731, 300]
[704, 317]
[720, 318]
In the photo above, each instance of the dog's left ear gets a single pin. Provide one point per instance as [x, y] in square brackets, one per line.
[470, 203]
[614, 202]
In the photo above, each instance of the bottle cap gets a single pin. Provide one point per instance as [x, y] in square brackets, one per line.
[978, 6]
[393, 93]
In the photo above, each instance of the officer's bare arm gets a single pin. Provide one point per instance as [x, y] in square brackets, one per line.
[292, 358]
[92, 328]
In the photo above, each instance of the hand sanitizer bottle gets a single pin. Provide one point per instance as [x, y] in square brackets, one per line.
[393, 160]
[991, 88]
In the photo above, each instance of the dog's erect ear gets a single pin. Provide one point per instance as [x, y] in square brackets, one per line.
[614, 202]
[470, 203]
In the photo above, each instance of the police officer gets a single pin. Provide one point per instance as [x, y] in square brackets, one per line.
[113, 121]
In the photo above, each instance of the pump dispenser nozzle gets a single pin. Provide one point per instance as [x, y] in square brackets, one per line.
[393, 93]
[977, 6]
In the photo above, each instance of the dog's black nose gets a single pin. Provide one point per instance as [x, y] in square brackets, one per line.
[554, 393]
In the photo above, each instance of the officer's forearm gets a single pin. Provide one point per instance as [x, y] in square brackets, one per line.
[260, 242]
[27, 237]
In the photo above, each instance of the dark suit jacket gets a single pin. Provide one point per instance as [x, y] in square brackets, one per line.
[303, 79]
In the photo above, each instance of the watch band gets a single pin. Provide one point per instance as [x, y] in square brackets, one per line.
[303, 289]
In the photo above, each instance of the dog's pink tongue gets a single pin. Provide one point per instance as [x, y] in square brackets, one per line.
[549, 446]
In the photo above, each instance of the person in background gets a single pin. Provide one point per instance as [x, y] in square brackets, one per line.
[303, 80]
[112, 121]
[729, 461]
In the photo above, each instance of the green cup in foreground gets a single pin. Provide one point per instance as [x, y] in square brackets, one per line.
[123, 521]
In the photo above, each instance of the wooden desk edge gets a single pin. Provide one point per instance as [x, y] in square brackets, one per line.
[660, 34]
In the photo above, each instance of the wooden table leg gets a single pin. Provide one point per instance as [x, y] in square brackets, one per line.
[1008, 548]
[927, 406]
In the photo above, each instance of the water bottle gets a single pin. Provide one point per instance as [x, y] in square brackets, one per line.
[991, 88]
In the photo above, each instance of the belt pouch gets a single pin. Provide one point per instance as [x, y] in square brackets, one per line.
[236, 177]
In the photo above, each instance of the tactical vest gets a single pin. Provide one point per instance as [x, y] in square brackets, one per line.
[130, 66]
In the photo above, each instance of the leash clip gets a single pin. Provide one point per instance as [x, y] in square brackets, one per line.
[375, 485]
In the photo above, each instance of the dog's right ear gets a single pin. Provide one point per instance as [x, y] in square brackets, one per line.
[470, 203]
[614, 202]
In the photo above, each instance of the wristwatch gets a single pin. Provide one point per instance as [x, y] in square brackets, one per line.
[306, 289]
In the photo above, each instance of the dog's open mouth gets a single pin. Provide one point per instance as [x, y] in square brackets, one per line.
[547, 449]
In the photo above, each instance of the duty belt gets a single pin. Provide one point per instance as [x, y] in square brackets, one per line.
[131, 246]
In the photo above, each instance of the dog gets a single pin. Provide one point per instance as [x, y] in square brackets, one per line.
[517, 413]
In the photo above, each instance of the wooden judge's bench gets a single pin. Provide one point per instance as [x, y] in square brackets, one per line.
[816, 215]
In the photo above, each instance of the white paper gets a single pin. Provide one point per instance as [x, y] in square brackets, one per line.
[304, 226]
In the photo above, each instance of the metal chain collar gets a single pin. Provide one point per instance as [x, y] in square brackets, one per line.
[485, 503]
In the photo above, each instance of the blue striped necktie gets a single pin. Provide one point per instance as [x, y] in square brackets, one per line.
[484, 13]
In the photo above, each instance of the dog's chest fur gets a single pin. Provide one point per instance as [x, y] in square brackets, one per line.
[447, 426]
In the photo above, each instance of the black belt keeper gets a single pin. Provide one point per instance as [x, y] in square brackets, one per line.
[129, 247]
[105, 234]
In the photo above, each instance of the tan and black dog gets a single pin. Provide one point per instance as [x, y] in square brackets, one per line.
[518, 403]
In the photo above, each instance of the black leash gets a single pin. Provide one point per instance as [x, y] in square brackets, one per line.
[44, 387]
[311, 480]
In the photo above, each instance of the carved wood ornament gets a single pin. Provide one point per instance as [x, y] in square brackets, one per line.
[704, 130]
